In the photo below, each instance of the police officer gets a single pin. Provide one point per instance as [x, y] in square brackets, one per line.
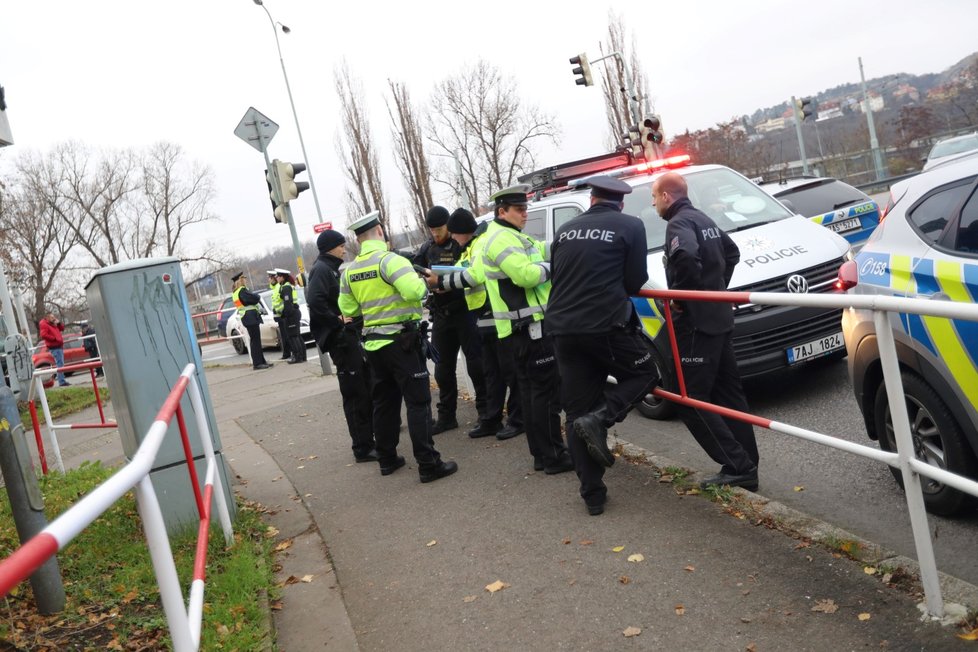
[452, 329]
[699, 256]
[291, 316]
[246, 303]
[384, 288]
[599, 261]
[518, 283]
[277, 306]
[340, 336]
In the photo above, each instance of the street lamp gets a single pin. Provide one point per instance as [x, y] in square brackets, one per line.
[302, 143]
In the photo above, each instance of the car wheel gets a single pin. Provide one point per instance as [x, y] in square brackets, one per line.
[653, 407]
[238, 343]
[937, 439]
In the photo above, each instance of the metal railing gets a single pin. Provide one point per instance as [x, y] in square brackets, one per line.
[904, 458]
[184, 622]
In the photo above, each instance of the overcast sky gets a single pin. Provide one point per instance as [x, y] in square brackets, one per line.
[129, 73]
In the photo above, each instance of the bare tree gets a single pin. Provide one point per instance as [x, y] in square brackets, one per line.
[357, 151]
[479, 117]
[613, 85]
[409, 148]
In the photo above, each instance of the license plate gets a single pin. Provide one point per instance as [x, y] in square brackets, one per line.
[845, 225]
[815, 348]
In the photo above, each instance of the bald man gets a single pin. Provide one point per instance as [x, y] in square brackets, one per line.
[699, 256]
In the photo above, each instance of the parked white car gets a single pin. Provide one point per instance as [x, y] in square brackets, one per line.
[269, 329]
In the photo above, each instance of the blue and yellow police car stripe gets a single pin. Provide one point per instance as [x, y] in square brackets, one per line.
[649, 314]
[867, 212]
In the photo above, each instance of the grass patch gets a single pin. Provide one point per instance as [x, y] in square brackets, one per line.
[112, 597]
[62, 402]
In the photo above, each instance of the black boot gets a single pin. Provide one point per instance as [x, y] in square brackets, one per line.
[444, 424]
[437, 471]
[591, 428]
[484, 430]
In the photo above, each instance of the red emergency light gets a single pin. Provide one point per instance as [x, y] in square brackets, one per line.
[676, 161]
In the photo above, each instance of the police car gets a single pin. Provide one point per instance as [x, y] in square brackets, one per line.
[925, 247]
[268, 328]
[829, 202]
[780, 251]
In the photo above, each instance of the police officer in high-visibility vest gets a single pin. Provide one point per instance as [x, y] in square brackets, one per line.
[518, 283]
[291, 316]
[384, 288]
[500, 372]
[246, 303]
[700, 256]
[598, 261]
[277, 306]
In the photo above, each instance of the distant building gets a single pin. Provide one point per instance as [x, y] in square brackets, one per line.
[908, 91]
[876, 102]
[772, 124]
[828, 111]
[942, 93]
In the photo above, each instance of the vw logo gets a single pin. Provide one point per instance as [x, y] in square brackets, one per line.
[797, 284]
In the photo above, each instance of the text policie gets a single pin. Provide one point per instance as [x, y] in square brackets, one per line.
[763, 259]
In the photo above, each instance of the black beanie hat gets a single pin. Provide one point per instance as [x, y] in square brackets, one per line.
[329, 240]
[461, 221]
[437, 216]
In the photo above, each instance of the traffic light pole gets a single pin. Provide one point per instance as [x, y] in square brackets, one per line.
[801, 140]
[633, 105]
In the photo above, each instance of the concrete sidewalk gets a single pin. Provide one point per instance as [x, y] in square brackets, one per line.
[401, 565]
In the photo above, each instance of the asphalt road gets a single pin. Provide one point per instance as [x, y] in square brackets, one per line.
[854, 493]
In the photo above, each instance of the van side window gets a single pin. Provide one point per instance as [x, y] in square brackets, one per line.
[967, 240]
[536, 224]
[931, 215]
[564, 214]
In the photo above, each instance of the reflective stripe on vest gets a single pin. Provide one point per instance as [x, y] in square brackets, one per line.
[510, 302]
[277, 303]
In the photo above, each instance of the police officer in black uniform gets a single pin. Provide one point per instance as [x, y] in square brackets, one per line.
[699, 256]
[340, 336]
[452, 329]
[246, 303]
[598, 261]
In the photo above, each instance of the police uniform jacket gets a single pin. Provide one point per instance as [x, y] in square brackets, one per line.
[447, 253]
[699, 256]
[598, 261]
[322, 293]
[249, 317]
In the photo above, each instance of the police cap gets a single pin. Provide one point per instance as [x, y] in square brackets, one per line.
[282, 272]
[271, 272]
[514, 195]
[604, 187]
[365, 223]
[237, 276]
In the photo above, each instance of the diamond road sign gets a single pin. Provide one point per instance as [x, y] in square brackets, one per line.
[256, 129]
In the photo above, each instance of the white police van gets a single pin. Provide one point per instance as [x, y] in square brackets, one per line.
[779, 251]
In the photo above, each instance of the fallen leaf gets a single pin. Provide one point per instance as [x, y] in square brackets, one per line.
[586, 542]
[665, 478]
[222, 631]
[470, 598]
[617, 548]
[433, 542]
[803, 544]
[312, 457]
[799, 488]
[680, 610]
[276, 606]
[827, 606]
[571, 582]
[887, 578]
[869, 570]
[751, 647]
[689, 568]
[306, 578]
[692, 492]
[632, 631]
[292, 579]
[498, 585]
[303, 415]
[864, 616]
[566, 541]
[970, 636]
[285, 545]
[637, 557]
[744, 619]
[301, 466]
[271, 532]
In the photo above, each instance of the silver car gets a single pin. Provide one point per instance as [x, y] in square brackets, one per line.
[268, 328]
[951, 149]
[926, 246]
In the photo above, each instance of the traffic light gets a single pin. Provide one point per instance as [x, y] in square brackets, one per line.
[633, 139]
[651, 136]
[805, 108]
[583, 69]
[273, 188]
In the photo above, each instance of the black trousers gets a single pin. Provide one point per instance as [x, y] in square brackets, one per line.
[711, 374]
[536, 373]
[449, 334]
[585, 362]
[500, 372]
[297, 347]
[283, 339]
[353, 374]
[398, 373]
[254, 344]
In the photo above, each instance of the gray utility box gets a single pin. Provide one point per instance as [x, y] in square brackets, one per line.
[142, 317]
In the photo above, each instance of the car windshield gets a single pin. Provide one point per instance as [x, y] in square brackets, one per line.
[821, 197]
[956, 146]
[731, 200]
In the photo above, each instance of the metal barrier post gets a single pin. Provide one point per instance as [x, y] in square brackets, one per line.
[197, 401]
[911, 481]
[52, 437]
